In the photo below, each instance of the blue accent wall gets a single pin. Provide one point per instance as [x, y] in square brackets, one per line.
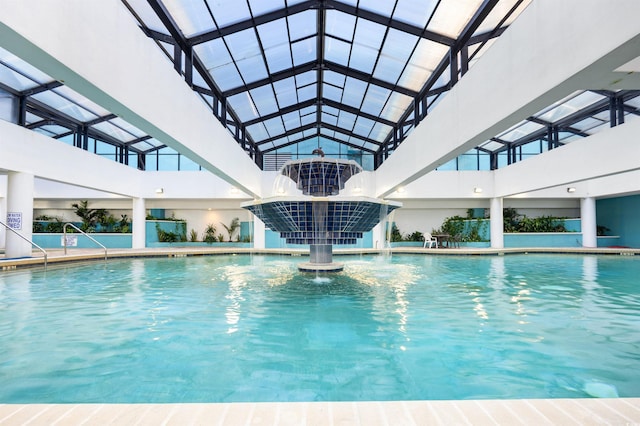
[622, 216]
[108, 240]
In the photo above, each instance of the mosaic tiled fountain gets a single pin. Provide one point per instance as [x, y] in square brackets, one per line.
[307, 208]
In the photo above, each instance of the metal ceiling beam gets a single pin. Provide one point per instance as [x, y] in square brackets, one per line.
[466, 35]
[388, 22]
[323, 101]
[326, 66]
[253, 22]
[282, 111]
[315, 136]
[278, 76]
[314, 126]
[190, 57]
[321, 33]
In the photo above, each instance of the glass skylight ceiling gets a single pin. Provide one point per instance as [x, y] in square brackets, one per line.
[286, 76]
[57, 111]
[285, 72]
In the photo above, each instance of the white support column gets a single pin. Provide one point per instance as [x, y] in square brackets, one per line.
[139, 235]
[497, 224]
[259, 238]
[588, 222]
[19, 215]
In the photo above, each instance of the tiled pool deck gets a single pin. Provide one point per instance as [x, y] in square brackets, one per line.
[618, 411]
[621, 411]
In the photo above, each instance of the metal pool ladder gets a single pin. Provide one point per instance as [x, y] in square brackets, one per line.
[64, 238]
[27, 240]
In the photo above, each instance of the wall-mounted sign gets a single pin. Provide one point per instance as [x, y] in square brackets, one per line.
[71, 241]
[14, 220]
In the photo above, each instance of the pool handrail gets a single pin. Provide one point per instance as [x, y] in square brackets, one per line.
[27, 240]
[64, 238]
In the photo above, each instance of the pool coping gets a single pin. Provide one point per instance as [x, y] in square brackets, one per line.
[56, 256]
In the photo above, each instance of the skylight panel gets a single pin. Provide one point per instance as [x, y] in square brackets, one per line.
[307, 92]
[258, 132]
[127, 127]
[588, 124]
[53, 130]
[304, 51]
[273, 33]
[264, 99]
[243, 106]
[278, 58]
[370, 146]
[571, 106]
[81, 101]
[396, 106]
[375, 99]
[330, 110]
[227, 12]
[334, 78]
[519, 131]
[142, 146]
[388, 69]
[491, 145]
[423, 61]
[291, 120]
[329, 119]
[13, 62]
[399, 45]
[15, 80]
[252, 69]
[379, 132]
[363, 126]
[342, 136]
[346, 120]
[307, 134]
[260, 7]
[243, 44]
[286, 93]
[43, 131]
[274, 126]
[354, 91]
[306, 78]
[213, 53]
[498, 13]
[147, 15]
[327, 132]
[113, 131]
[414, 12]
[307, 119]
[339, 24]
[369, 34]
[308, 110]
[191, 16]
[337, 51]
[451, 16]
[226, 77]
[384, 8]
[63, 105]
[302, 25]
[332, 92]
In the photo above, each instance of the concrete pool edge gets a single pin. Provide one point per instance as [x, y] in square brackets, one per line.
[517, 411]
[56, 256]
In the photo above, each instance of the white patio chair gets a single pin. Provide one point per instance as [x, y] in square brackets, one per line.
[429, 239]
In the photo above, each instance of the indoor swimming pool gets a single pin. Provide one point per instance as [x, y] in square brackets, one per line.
[253, 328]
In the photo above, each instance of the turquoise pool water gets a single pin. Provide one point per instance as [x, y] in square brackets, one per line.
[252, 328]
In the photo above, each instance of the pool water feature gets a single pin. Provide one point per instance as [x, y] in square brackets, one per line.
[253, 328]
